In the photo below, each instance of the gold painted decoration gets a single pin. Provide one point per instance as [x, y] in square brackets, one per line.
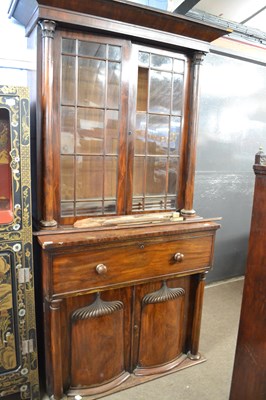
[18, 344]
[8, 358]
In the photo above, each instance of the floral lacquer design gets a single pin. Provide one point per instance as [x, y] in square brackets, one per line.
[8, 358]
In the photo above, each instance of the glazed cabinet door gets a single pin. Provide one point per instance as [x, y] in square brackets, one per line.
[91, 96]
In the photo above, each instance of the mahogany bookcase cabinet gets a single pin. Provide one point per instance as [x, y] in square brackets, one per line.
[123, 253]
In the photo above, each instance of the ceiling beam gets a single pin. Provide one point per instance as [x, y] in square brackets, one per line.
[185, 6]
[253, 15]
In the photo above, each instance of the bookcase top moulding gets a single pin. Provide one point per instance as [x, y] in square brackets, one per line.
[124, 17]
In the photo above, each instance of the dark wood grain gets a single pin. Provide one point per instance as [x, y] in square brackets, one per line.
[122, 11]
[133, 263]
[47, 125]
[249, 373]
[97, 358]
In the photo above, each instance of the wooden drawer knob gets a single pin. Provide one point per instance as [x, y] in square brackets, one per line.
[179, 257]
[101, 269]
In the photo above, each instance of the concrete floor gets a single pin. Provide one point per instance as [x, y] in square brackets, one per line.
[210, 380]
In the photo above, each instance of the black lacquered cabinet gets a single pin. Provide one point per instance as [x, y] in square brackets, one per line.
[18, 347]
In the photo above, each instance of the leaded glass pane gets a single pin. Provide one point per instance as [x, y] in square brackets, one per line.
[90, 131]
[160, 92]
[68, 80]
[91, 82]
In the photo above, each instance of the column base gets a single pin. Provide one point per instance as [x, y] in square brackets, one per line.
[187, 213]
[48, 224]
[194, 356]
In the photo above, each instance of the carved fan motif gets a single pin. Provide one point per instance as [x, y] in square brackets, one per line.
[98, 308]
[163, 294]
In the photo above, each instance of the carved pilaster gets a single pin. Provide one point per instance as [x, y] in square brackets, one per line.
[48, 31]
[188, 210]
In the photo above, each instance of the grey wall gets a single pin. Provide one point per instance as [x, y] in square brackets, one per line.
[232, 127]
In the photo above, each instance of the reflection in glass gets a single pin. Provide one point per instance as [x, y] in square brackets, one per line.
[67, 177]
[177, 94]
[137, 204]
[68, 80]
[154, 203]
[172, 175]
[156, 176]
[113, 87]
[88, 207]
[171, 203]
[67, 209]
[110, 177]
[90, 131]
[144, 59]
[175, 131]
[91, 82]
[161, 62]
[138, 176]
[90, 49]
[69, 46]
[6, 213]
[67, 129]
[89, 177]
[179, 66]
[112, 131]
[158, 133]
[140, 134]
[160, 92]
[109, 207]
[114, 53]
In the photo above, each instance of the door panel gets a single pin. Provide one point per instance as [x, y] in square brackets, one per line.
[97, 344]
[162, 319]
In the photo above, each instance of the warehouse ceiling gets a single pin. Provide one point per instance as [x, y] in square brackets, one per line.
[251, 13]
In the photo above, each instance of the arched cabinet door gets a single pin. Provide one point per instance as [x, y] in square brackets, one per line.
[161, 330]
[97, 347]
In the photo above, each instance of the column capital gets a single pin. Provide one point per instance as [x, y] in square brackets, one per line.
[198, 58]
[48, 28]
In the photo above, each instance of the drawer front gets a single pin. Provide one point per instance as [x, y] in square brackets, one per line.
[100, 267]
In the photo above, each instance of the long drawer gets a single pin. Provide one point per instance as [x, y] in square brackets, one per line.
[100, 267]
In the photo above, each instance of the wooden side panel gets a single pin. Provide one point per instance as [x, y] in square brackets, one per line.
[249, 373]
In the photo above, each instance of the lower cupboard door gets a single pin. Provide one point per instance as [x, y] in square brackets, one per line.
[97, 347]
[161, 330]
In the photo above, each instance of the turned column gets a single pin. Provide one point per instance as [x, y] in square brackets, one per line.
[192, 135]
[194, 354]
[47, 216]
[53, 354]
